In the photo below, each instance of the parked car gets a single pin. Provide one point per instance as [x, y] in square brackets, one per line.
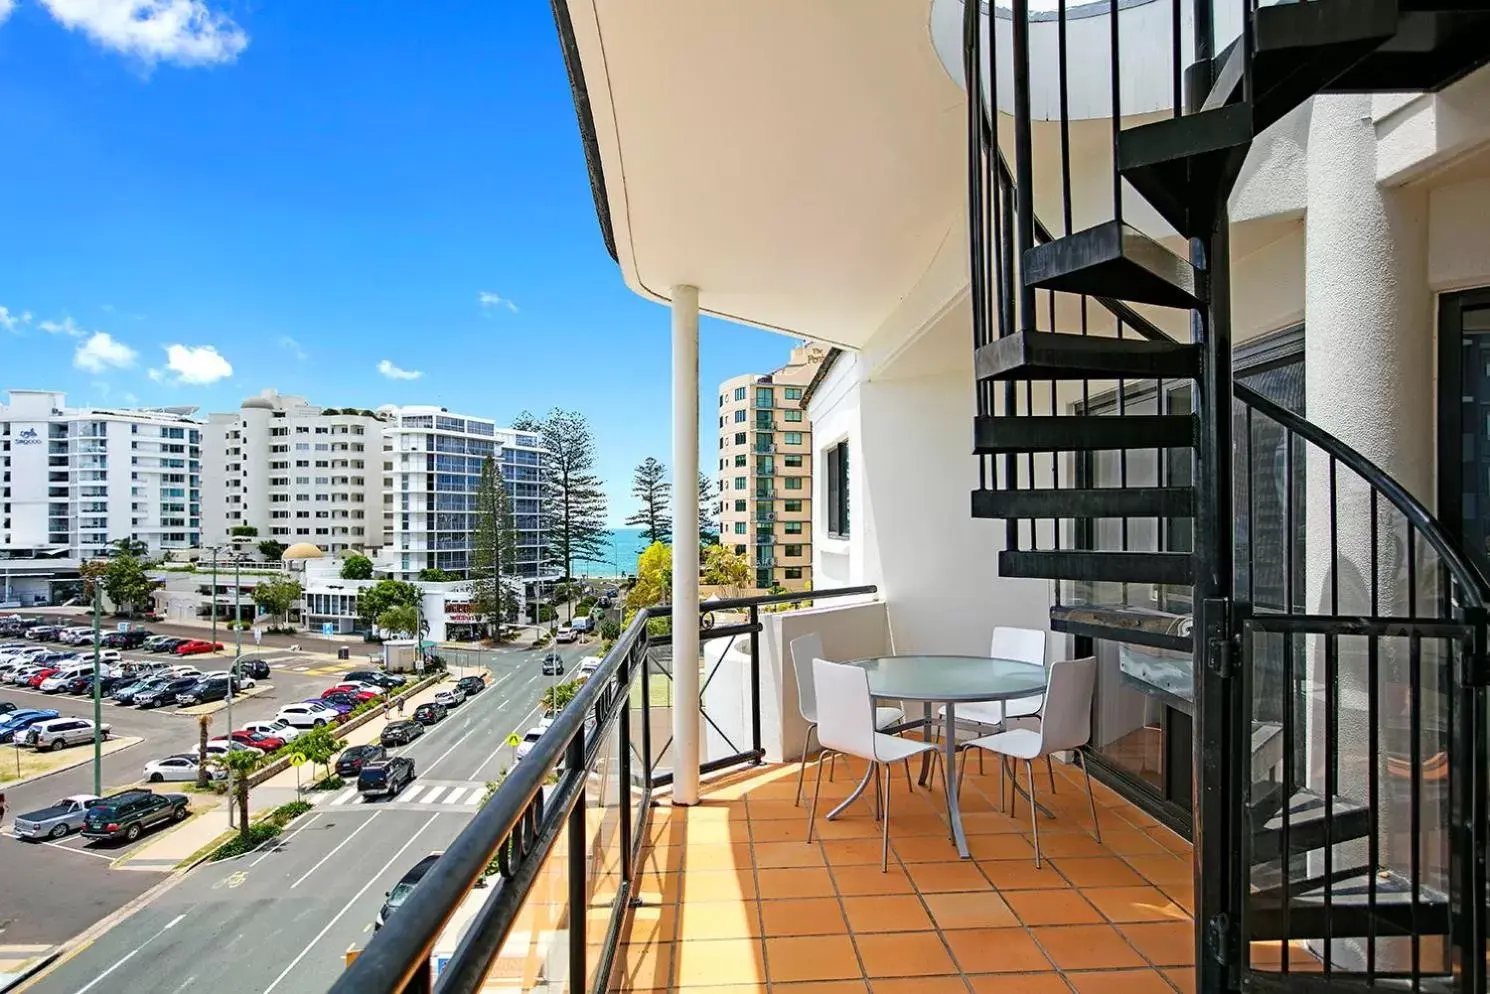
[196, 647]
[566, 634]
[386, 777]
[587, 668]
[132, 639]
[83, 684]
[256, 668]
[341, 703]
[130, 814]
[126, 694]
[553, 664]
[429, 714]
[450, 699]
[258, 740]
[220, 747]
[18, 721]
[166, 643]
[307, 714]
[165, 693]
[56, 820]
[397, 733]
[357, 690]
[530, 739]
[354, 758]
[180, 769]
[405, 886]
[43, 633]
[39, 677]
[375, 677]
[471, 685]
[55, 683]
[274, 728]
[6, 708]
[208, 688]
[59, 733]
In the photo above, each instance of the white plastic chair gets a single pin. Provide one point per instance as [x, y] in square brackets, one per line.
[1026, 645]
[846, 725]
[1065, 723]
[804, 650]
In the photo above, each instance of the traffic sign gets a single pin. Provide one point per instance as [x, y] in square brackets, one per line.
[297, 760]
[513, 740]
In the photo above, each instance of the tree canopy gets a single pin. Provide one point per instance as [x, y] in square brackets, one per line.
[650, 486]
[725, 568]
[433, 574]
[278, 597]
[574, 498]
[708, 524]
[126, 583]
[384, 594]
[654, 577]
[495, 554]
[272, 550]
[401, 618]
[356, 567]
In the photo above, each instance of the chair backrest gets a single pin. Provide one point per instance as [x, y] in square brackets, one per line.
[845, 717]
[1067, 720]
[1024, 644]
[804, 650]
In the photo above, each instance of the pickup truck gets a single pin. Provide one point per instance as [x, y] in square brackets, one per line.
[54, 822]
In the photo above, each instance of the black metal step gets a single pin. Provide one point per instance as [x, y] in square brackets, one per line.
[1180, 165]
[1117, 567]
[1044, 355]
[1346, 910]
[994, 434]
[1308, 826]
[1094, 502]
[1117, 623]
[1433, 47]
[1113, 259]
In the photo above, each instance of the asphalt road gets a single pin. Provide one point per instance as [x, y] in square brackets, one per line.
[279, 921]
[52, 892]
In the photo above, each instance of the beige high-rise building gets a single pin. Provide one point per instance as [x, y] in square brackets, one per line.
[765, 470]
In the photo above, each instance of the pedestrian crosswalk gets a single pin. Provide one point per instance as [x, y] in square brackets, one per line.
[445, 795]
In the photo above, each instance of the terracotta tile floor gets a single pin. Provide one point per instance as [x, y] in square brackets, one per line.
[735, 898]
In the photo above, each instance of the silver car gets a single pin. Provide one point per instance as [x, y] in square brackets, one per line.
[58, 733]
[55, 821]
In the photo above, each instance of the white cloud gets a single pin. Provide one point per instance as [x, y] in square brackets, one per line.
[156, 375]
[6, 6]
[293, 347]
[186, 32]
[67, 326]
[130, 398]
[489, 300]
[198, 365]
[391, 371]
[9, 321]
[102, 352]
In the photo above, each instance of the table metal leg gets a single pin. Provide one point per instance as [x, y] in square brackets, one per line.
[949, 761]
[928, 728]
[858, 793]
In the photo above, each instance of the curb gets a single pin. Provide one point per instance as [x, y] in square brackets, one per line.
[129, 741]
[41, 963]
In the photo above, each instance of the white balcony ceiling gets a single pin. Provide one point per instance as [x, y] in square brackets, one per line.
[800, 161]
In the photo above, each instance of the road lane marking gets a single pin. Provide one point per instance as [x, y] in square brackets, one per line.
[272, 849]
[129, 956]
[452, 748]
[62, 844]
[407, 795]
[333, 852]
[433, 795]
[345, 796]
[475, 795]
[345, 908]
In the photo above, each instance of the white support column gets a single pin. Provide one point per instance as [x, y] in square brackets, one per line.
[686, 717]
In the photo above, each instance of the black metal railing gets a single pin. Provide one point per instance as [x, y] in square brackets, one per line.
[589, 779]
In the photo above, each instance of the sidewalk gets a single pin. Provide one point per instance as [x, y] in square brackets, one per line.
[169, 850]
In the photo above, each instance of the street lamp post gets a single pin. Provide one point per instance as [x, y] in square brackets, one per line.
[212, 601]
[97, 693]
[237, 654]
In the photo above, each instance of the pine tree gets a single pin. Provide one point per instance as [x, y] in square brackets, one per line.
[496, 548]
[708, 524]
[574, 501]
[650, 486]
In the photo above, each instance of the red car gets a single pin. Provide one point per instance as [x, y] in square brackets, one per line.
[196, 647]
[258, 740]
[41, 675]
[347, 688]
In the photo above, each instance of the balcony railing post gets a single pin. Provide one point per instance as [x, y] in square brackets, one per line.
[755, 681]
[579, 901]
[647, 716]
[624, 735]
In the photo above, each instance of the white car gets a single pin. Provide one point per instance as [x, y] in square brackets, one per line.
[278, 729]
[587, 668]
[307, 715]
[221, 747]
[450, 698]
[179, 768]
[58, 733]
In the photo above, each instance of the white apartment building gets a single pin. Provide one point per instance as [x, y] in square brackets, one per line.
[431, 469]
[294, 472]
[77, 479]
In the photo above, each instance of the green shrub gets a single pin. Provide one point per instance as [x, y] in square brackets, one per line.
[286, 813]
[329, 783]
[257, 835]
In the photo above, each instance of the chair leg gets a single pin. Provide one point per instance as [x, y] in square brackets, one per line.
[878, 792]
[1090, 800]
[802, 772]
[1013, 786]
[1001, 785]
[1029, 770]
[1051, 770]
[832, 766]
[981, 771]
[817, 788]
[909, 784]
[885, 845]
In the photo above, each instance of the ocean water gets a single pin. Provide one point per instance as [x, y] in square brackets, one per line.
[625, 545]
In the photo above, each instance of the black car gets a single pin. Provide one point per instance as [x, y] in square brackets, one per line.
[354, 758]
[168, 644]
[212, 688]
[401, 890]
[402, 732]
[386, 777]
[83, 684]
[165, 693]
[129, 814]
[132, 639]
[6, 707]
[376, 677]
[126, 692]
[256, 668]
[553, 664]
[344, 697]
[428, 714]
[471, 685]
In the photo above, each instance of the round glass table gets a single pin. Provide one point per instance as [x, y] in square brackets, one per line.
[947, 680]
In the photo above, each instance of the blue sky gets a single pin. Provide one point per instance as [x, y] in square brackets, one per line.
[205, 199]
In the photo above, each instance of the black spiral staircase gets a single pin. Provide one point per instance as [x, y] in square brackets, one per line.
[1329, 635]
